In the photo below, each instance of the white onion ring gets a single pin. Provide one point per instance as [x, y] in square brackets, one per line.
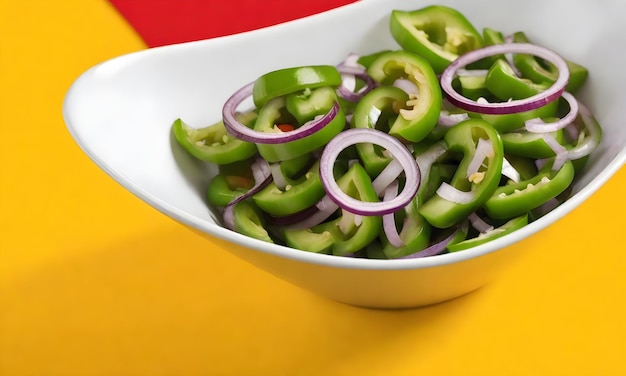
[448, 192]
[591, 141]
[447, 119]
[537, 125]
[560, 152]
[277, 176]
[239, 130]
[398, 151]
[509, 171]
[484, 149]
[407, 86]
[513, 106]
[478, 223]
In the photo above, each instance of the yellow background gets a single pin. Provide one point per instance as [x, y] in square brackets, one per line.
[95, 282]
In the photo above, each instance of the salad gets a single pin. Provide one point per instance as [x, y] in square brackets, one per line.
[451, 140]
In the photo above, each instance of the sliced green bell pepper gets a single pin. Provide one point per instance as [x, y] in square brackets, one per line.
[290, 80]
[248, 221]
[275, 112]
[298, 194]
[421, 112]
[510, 122]
[507, 228]
[515, 199]
[530, 145]
[415, 234]
[213, 143]
[463, 139]
[438, 33]
[377, 109]
[502, 82]
[541, 71]
[347, 236]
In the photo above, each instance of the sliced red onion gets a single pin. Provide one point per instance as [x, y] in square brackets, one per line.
[407, 86]
[591, 140]
[389, 221]
[550, 94]
[539, 126]
[349, 75]
[484, 149]
[352, 60]
[439, 247]
[239, 130]
[561, 154]
[510, 172]
[262, 177]
[398, 151]
[478, 223]
[318, 213]
[448, 192]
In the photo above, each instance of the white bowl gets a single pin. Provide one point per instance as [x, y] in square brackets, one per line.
[120, 113]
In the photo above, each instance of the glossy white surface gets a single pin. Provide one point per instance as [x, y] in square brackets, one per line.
[120, 113]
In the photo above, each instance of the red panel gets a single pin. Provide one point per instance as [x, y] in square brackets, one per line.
[162, 22]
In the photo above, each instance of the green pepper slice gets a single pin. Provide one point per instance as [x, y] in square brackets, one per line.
[463, 138]
[290, 80]
[515, 199]
[539, 70]
[348, 236]
[530, 145]
[298, 194]
[510, 122]
[213, 143]
[274, 113]
[421, 111]
[232, 180]
[415, 234]
[507, 228]
[438, 33]
[377, 109]
[248, 221]
[502, 82]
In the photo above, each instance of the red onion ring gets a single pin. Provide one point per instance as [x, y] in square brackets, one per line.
[262, 177]
[513, 106]
[398, 151]
[537, 125]
[355, 72]
[242, 132]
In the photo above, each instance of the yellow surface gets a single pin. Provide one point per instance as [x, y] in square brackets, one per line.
[95, 282]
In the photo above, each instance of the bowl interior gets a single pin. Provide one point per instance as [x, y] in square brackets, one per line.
[120, 112]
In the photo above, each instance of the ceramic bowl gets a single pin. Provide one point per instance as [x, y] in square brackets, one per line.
[120, 113]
